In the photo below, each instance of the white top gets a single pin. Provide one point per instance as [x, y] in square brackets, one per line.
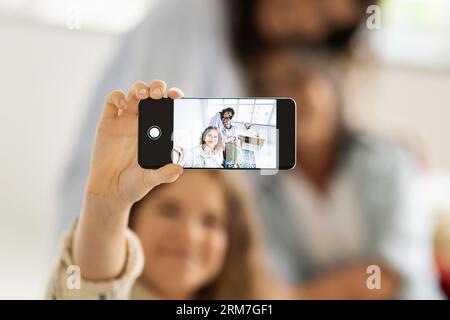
[331, 225]
[197, 157]
[232, 132]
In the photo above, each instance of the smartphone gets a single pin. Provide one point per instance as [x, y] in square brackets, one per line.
[218, 133]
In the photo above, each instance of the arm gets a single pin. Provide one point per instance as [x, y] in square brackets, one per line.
[99, 246]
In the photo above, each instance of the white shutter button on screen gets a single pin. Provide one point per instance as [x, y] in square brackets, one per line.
[154, 132]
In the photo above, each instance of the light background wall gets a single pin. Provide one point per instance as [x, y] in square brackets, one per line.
[46, 78]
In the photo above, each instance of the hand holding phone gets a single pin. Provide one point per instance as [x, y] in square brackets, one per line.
[115, 182]
[114, 172]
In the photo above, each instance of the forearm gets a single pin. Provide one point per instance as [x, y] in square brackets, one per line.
[99, 247]
[350, 283]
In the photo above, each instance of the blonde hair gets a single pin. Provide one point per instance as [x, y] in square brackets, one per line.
[243, 274]
[218, 147]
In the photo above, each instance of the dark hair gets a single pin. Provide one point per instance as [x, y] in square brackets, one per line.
[247, 41]
[227, 110]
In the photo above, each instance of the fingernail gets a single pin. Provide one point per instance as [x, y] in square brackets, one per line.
[156, 92]
[122, 103]
[142, 92]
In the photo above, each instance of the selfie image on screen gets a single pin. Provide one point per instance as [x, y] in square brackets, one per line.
[225, 133]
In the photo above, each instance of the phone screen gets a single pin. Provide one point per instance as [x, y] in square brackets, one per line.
[225, 133]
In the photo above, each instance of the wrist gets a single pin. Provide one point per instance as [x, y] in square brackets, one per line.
[107, 212]
[99, 238]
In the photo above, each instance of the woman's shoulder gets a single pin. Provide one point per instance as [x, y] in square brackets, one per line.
[381, 161]
[376, 149]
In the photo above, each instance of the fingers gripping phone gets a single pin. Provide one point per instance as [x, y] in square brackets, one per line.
[218, 133]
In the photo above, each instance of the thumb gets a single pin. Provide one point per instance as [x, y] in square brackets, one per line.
[167, 174]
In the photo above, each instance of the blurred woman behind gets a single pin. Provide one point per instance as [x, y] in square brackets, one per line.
[353, 200]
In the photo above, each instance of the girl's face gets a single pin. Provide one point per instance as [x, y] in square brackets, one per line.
[212, 138]
[183, 230]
